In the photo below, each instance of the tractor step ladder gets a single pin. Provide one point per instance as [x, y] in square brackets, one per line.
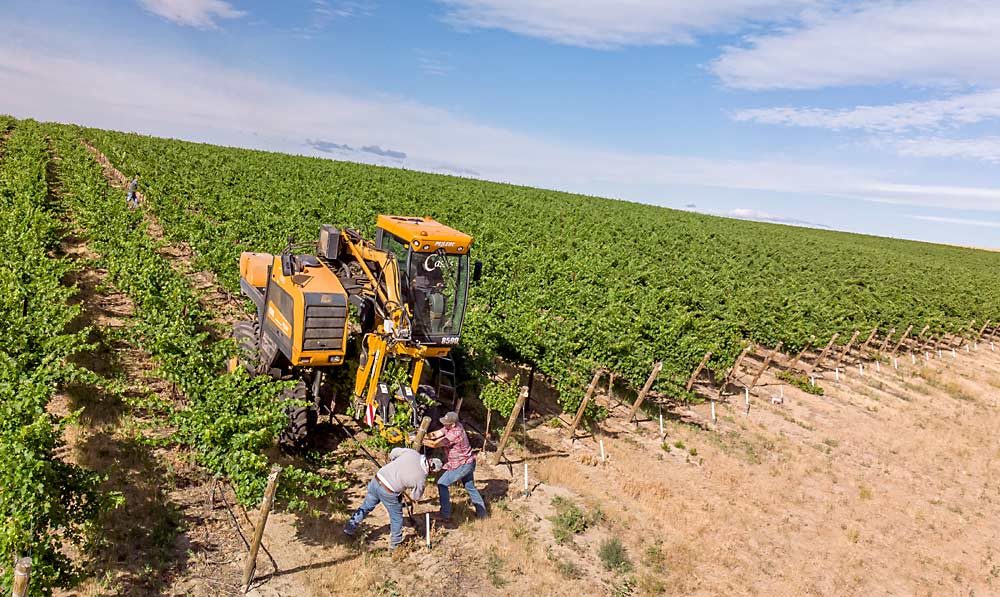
[446, 381]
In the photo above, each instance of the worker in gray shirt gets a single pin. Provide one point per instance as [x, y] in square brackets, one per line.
[130, 197]
[407, 471]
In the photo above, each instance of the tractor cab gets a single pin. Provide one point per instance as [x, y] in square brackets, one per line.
[434, 274]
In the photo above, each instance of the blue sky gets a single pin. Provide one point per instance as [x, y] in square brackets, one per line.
[873, 117]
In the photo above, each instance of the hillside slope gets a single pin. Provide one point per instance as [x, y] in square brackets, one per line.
[574, 282]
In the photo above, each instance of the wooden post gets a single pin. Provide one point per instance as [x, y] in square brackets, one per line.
[822, 355]
[798, 357]
[767, 363]
[885, 342]
[418, 439]
[458, 405]
[697, 370]
[642, 393]
[864, 346]
[511, 421]
[965, 336]
[583, 404]
[22, 577]
[982, 329]
[734, 368]
[920, 336]
[258, 532]
[895, 349]
[486, 436]
[847, 349]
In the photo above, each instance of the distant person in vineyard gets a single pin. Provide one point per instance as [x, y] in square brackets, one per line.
[460, 465]
[131, 198]
[406, 471]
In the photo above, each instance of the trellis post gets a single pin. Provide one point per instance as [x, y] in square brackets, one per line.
[645, 390]
[847, 349]
[798, 357]
[512, 420]
[823, 353]
[871, 337]
[885, 342]
[902, 338]
[765, 365]
[258, 534]
[734, 368]
[694, 376]
[583, 403]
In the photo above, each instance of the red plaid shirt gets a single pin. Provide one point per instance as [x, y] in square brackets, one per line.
[458, 447]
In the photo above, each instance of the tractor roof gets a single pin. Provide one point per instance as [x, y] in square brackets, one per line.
[426, 234]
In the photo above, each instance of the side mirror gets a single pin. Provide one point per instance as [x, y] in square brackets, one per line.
[477, 271]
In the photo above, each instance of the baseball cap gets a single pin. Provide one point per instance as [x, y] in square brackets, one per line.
[449, 418]
[434, 464]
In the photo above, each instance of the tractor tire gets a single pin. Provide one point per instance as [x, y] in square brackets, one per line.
[246, 334]
[301, 420]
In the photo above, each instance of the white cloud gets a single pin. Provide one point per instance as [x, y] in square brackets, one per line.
[954, 111]
[756, 215]
[928, 42]
[982, 148]
[437, 64]
[207, 102]
[958, 221]
[608, 24]
[201, 14]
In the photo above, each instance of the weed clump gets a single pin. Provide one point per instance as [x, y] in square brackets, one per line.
[613, 555]
[570, 519]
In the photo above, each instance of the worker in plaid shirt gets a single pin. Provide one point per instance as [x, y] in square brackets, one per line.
[460, 465]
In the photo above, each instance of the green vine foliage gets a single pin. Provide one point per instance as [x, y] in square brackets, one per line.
[228, 420]
[500, 395]
[573, 282]
[46, 503]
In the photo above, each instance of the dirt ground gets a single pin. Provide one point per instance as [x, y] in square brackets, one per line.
[885, 485]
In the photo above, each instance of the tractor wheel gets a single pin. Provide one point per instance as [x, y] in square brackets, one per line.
[301, 419]
[246, 334]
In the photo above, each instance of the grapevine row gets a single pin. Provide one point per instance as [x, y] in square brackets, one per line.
[228, 420]
[46, 503]
[574, 282]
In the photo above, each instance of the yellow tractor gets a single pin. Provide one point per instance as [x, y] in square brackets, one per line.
[408, 290]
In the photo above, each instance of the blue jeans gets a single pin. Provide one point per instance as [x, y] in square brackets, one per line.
[392, 503]
[464, 474]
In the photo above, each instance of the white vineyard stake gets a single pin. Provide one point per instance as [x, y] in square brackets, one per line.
[713, 413]
[527, 492]
[861, 369]
[836, 374]
[895, 364]
[966, 348]
[603, 457]
[878, 366]
[953, 354]
[427, 525]
[812, 380]
[992, 348]
[913, 358]
[661, 423]
[939, 353]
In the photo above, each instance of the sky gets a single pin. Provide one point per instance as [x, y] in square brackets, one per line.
[873, 117]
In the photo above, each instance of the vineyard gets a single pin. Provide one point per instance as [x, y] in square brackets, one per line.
[575, 290]
[573, 282]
